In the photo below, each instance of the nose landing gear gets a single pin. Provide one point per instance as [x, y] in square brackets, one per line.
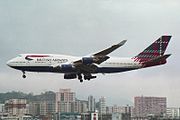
[24, 76]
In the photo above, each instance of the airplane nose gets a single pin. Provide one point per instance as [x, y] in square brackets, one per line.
[9, 63]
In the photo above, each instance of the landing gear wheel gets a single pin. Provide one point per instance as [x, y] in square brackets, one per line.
[80, 78]
[24, 76]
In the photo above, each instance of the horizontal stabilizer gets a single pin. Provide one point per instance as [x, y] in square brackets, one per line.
[156, 61]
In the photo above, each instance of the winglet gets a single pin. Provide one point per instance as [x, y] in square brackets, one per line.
[110, 49]
[122, 43]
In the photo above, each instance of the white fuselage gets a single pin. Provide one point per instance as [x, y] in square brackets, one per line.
[83, 67]
[46, 63]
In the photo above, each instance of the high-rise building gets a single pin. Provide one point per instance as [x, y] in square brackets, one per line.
[47, 107]
[16, 107]
[173, 113]
[34, 108]
[44, 106]
[79, 106]
[91, 104]
[127, 110]
[119, 109]
[84, 107]
[145, 106]
[64, 100]
[102, 105]
[1, 108]
[109, 109]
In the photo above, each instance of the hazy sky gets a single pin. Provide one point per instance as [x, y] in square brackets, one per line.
[80, 27]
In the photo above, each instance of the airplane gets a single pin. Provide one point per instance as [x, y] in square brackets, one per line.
[83, 68]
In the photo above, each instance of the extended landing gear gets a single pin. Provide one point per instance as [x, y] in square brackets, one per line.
[24, 76]
[89, 77]
[80, 78]
[86, 77]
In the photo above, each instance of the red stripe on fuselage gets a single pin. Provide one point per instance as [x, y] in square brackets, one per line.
[37, 56]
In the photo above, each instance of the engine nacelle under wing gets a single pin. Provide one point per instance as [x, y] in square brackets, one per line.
[67, 67]
[87, 60]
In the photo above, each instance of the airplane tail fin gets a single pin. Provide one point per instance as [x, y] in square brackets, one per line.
[155, 52]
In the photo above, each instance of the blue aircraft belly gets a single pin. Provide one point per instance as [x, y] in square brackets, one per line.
[40, 69]
[51, 69]
[113, 69]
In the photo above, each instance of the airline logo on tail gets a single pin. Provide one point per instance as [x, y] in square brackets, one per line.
[155, 52]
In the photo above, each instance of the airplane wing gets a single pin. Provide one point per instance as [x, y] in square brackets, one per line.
[101, 56]
[87, 65]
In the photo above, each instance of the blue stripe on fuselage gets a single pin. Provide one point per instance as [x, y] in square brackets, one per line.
[113, 69]
[34, 68]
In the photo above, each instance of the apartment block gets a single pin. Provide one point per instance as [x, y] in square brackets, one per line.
[146, 106]
[64, 100]
[173, 113]
[16, 107]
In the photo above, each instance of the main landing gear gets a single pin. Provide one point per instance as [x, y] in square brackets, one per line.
[80, 78]
[86, 77]
[24, 76]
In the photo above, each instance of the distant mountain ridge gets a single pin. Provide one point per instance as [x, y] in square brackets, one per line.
[46, 96]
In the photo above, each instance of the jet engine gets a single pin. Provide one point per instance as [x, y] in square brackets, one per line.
[70, 76]
[87, 60]
[66, 67]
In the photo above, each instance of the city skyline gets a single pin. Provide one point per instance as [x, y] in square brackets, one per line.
[79, 28]
[88, 97]
[62, 103]
[70, 106]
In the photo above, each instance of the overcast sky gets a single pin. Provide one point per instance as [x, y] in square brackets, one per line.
[81, 27]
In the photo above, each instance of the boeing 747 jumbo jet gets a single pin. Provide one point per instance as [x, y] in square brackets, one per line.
[83, 67]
